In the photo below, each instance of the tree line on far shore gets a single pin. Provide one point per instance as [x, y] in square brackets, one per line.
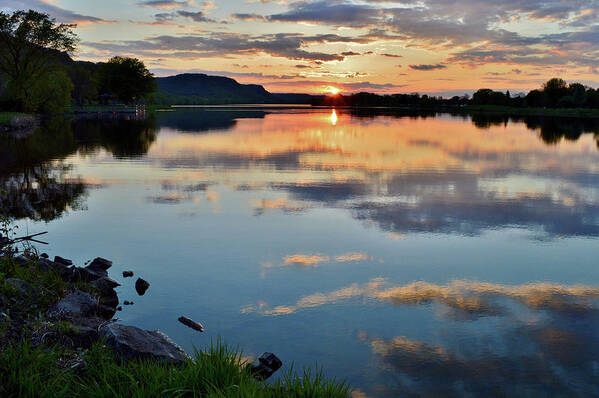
[555, 93]
[37, 73]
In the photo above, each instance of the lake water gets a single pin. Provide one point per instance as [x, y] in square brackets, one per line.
[409, 254]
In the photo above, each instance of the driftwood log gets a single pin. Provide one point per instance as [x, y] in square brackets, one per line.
[191, 323]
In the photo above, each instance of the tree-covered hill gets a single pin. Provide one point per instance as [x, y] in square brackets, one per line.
[198, 89]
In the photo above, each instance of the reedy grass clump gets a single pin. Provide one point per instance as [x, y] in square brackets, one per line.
[216, 372]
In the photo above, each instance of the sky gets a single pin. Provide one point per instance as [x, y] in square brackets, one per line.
[440, 47]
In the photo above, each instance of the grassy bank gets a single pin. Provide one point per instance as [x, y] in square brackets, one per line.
[38, 358]
[216, 372]
[511, 111]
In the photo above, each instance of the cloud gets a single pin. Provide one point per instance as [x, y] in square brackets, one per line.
[263, 205]
[166, 4]
[346, 14]
[196, 16]
[426, 67]
[306, 260]
[222, 44]
[61, 14]
[462, 27]
[247, 17]
[351, 257]
[467, 298]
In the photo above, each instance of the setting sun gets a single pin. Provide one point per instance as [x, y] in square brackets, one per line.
[332, 90]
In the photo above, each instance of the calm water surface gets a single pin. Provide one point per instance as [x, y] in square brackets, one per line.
[412, 255]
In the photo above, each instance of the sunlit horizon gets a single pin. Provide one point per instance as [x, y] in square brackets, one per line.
[392, 46]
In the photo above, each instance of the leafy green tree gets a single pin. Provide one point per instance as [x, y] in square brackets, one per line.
[52, 93]
[555, 89]
[30, 43]
[127, 79]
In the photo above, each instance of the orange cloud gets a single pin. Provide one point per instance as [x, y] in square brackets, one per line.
[308, 261]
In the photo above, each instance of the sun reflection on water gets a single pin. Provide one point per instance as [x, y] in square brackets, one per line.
[334, 117]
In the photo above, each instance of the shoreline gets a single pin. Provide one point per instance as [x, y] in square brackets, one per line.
[55, 311]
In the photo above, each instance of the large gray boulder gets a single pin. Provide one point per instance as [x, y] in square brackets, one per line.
[76, 305]
[129, 342]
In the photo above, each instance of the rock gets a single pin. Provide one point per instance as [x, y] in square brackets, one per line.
[47, 265]
[4, 316]
[100, 263]
[110, 299]
[268, 365]
[22, 122]
[44, 255]
[84, 332]
[76, 305]
[127, 274]
[119, 308]
[21, 260]
[141, 286]
[129, 342]
[21, 287]
[63, 261]
[106, 311]
[105, 283]
[88, 275]
[191, 323]
[128, 302]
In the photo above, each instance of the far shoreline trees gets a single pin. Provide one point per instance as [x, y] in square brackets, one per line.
[555, 93]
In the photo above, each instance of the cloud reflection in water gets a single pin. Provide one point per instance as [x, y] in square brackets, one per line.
[408, 174]
[536, 339]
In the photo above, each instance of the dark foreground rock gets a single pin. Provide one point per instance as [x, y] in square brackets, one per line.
[100, 263]
[127, 274]
[268, 364]
[141, 286]
[84, 332]
[64, 261]
[76, 305]
[130, 342]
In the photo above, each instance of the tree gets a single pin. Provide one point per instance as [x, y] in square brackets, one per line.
[535, 98]
[30, 43]
[128, 79]
[578, 93]
[52, 93]
[555, 89]
[85, 86]
[486, 96]
[592, 96]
